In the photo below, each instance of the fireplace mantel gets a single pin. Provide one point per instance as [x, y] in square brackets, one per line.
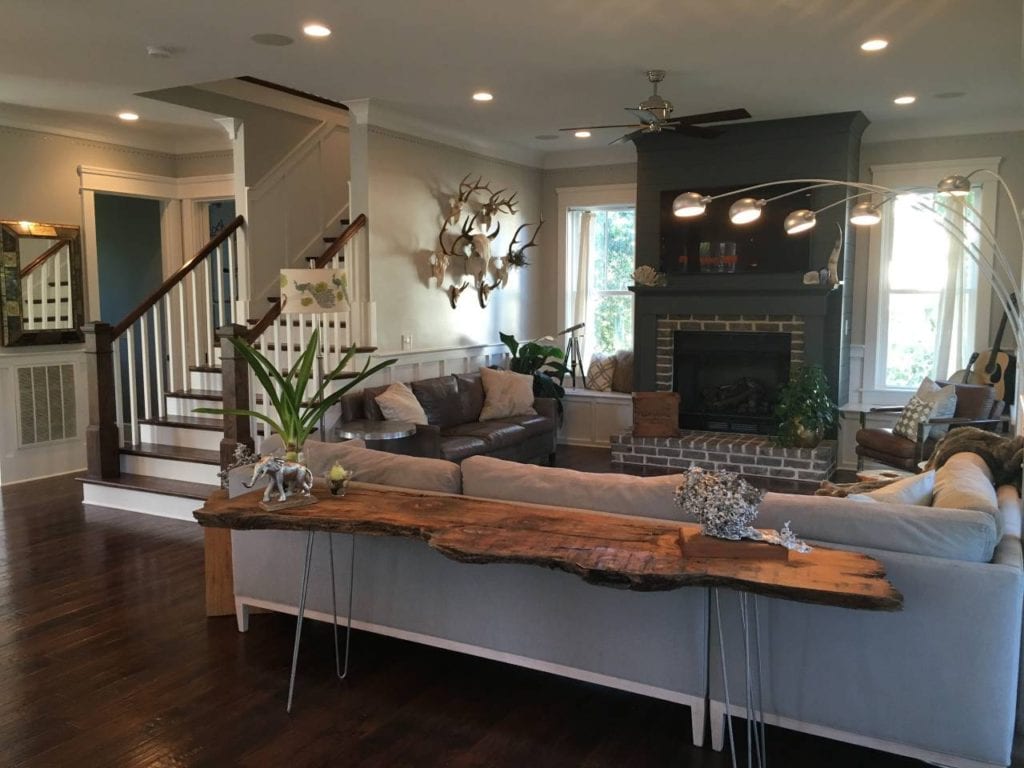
[735, 294]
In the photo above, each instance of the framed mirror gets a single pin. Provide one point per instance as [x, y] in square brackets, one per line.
[41, 292]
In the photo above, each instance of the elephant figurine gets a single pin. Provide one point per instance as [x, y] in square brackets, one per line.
[281, 475]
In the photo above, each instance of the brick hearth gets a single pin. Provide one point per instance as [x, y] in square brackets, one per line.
[752, 455]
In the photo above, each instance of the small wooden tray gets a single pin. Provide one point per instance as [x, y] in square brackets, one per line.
[693, 543]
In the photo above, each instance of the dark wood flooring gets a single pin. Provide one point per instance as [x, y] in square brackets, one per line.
[106, 660]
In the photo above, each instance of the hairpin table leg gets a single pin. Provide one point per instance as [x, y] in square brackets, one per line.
[298, 620]
[342, 672]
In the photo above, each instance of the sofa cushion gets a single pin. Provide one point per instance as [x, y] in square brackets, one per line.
[601, 372]
[625, 494]
[471, 396]
[965, 482]
[916, 490]
[951, 534]
[533, 424]
[458, 447]
[440, 400]
[398, 403]
[370, 406]
[495, 434]
[369, 466]
[506, 393]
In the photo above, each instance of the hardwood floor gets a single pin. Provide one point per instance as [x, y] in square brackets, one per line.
[106, 659]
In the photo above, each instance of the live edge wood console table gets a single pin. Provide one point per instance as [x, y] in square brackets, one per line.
[607, 550]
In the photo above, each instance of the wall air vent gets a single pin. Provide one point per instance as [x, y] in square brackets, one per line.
[46, 403]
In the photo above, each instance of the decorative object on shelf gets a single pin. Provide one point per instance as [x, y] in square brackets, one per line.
[542, 361]
[655, 414]
[283, 477]
[829, 275]
[648, 276]
[805, 410]
[338, 479]
[472, 248]
[296, 413]
[243, 456]
[725, 505]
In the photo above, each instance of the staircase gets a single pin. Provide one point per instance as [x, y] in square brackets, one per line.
[148, 451]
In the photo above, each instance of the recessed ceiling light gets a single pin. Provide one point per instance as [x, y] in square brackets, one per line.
[271, 38]
[316, 30]
[904, 100]
[582, 134]
[874, 44]
[128, 117]
[483, 96]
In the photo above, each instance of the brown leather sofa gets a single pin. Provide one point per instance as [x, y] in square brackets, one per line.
[976, 406]
[454, 430]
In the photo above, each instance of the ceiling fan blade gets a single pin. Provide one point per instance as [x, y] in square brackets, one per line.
[696, 131]
[629, 136]
[711, 117]
[645, 115]
[597, 127]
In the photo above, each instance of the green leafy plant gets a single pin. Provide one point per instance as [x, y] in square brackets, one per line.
[805, 410]
[542, 361]
[296, 414]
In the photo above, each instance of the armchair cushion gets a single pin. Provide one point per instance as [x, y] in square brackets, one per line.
[929, 401]
[884, 441]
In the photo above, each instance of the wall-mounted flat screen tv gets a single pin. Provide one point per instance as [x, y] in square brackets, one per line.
[711, 244]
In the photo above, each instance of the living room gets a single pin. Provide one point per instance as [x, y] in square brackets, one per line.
[394, 137]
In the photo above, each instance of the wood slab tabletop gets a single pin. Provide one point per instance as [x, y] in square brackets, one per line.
[604, 549]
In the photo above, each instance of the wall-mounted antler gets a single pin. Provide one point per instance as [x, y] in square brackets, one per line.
[517, 256]
[455, 292]
[440, 259]
[466, 189]
[495, 205]
[483, 293]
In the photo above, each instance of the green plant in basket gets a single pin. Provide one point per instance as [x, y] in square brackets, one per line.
[297, 414]
[805, 410]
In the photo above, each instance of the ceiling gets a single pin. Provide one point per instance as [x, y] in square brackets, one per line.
[549, 63]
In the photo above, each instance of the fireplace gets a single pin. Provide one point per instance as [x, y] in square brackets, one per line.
[729, 381]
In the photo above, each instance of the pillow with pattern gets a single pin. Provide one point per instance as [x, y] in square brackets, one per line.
[929, 402]
[601, 372]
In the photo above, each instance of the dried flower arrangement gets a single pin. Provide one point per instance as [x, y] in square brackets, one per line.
[725, 505]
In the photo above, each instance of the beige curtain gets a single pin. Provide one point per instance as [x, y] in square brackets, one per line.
[579, 314]
[954, 326]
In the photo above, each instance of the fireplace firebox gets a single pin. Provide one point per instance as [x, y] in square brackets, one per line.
[728, 382]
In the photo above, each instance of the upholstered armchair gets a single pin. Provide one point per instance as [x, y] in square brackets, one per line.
[976, 406]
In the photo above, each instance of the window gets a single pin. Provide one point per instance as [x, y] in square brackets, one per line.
[927, 306]
[602, 243]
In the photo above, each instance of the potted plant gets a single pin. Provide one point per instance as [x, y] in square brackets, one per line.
[805, 410]
[542, 361]
[297, 414]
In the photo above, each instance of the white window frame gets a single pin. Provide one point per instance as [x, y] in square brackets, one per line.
[908, 176]
[593, 198]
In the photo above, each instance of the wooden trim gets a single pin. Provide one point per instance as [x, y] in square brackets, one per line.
[42, 258]
[340, 242]
[293, 92]
[177, 277]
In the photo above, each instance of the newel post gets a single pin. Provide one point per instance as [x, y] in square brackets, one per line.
[235, 383]
[102, 435]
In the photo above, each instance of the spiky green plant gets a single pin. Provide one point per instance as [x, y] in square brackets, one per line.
[297, 414]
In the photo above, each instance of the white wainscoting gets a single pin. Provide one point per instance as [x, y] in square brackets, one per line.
[592, 417]
[415, 365]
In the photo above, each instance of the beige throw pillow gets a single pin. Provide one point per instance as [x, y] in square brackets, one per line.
[965, 482]
[929, 402]
[916, 489]
[506, 393]
[601, 372]
[398, 403]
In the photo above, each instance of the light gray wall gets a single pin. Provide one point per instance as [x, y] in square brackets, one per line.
[204, 163]
[410, 182]
[1009, 146]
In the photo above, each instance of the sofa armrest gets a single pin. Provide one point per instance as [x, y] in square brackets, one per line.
[546, 406]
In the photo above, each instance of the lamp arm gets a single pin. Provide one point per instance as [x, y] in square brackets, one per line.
[1009, 194]
[815, 184]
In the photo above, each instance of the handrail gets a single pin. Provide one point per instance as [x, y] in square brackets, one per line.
[321, 261]
[179, 274]
[43, 257]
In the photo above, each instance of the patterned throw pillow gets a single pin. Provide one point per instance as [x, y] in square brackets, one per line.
[601, 372]
[930, 401]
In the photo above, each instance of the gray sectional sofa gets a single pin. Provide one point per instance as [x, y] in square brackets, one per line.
[454, 430]
[937, 681]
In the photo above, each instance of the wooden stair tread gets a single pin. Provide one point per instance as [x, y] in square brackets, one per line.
[205, 368]
[211, 423]
[181, 488]
[197, 394]
[173, 452]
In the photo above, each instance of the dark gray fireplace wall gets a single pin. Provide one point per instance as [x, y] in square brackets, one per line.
[821, 146]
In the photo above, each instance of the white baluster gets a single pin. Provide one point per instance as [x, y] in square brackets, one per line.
[144, 343]
[65, 270]
[196, 336]
[232, 284]
[118, 392]
[277, 344]
[288, 341]
[172, 368]
[182, 338]
[133, 407]
[219, 275]
[158, 354]
[208, 313]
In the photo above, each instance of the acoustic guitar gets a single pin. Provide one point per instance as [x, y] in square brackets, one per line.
[992, 366]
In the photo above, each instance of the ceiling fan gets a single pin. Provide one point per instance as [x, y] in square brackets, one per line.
[655, 115]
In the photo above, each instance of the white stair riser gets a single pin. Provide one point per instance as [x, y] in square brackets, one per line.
[145, 502]
[170, 469]
[204, 380]
[181, 437]
[185, 406]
